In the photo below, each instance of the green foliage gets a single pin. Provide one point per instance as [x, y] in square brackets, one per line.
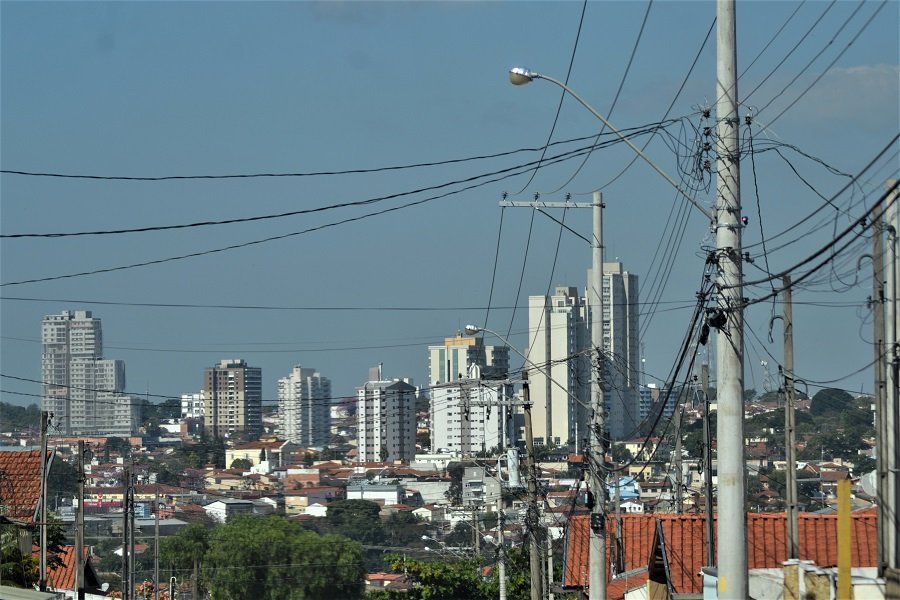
[274, 559]
[241, 463]
[184, 550]
[16, 569]
[20, 418]
[356, 519]
[863, 465]
[830, 400]
[831, 444]
[440, 580]
[454, 492]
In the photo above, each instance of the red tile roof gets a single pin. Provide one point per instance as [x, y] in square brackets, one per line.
[20, 484]
[62, 577]
[685, 544]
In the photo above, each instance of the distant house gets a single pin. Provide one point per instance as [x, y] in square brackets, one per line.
[384, 494]
[223, 510]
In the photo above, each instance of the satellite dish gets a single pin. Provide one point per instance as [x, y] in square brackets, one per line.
[104, 587]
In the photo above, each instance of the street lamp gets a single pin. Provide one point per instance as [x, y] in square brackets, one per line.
[521, 76]
[726, 223]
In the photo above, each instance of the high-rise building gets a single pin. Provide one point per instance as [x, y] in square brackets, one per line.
[83, 391]
[469, 416]
[386, 419]
[621, 345]
[558, 339]
[451, 360]
[232, 396]
[465, 393]
[304, 408]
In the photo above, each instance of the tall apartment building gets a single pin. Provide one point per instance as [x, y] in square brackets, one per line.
[304, 408]
[451, 360]
[558, 339]
[560, 335]
[386, 419]
[232, 396]
[83, 391]
[621, 343]
[467, 416]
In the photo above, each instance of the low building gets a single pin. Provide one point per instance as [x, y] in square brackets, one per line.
[226, 508]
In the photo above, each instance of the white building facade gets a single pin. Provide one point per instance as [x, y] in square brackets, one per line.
[82, 390]
[469, 415]
[558, 339]
[386, 419]
[304, 408]
[451, 360]
[621, 346]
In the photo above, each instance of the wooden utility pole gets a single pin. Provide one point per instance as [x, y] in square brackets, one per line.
[676, 461]
[156, 545]
[790, 447]
[707, 465]
[877, 303]
[532, 522]
[126, 579]
[45, 426]
[79, 527]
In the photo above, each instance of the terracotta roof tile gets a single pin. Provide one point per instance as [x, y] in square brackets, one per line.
[685, 544]
[20, 483]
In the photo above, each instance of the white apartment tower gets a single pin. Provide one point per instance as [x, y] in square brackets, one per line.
[304, 408]
[621, 345]
[82, 390]
[386, 419]
[465, 392]
[467, 416]
[232, 398]
[559, 330]
[558, 338]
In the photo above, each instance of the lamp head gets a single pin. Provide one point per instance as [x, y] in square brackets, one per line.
[472, 329]
[521, 76]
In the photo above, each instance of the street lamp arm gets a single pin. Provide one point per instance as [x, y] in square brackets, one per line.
[520, 76]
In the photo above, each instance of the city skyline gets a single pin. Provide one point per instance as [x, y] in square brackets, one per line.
[334, 88]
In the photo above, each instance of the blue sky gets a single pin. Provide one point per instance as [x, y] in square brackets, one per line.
[179, 88]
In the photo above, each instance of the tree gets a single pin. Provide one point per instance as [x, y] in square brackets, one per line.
[356, 519]
[830, 400]
[440, 580]
[241, 463]
[185, 550]
[274, 559]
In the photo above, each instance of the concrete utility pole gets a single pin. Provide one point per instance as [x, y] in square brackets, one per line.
[535, 562]
[892, 446]
[79, 527]
[597, 438]
[790, 450]
[45, 426]
[732, 522]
